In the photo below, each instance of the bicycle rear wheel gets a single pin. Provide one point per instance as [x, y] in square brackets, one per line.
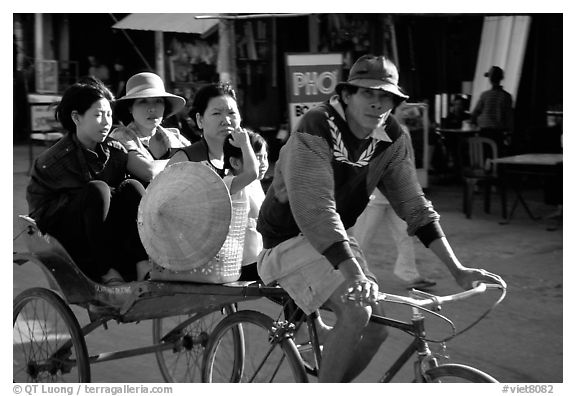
[262, 355]
[456, 373]
[189, 335]
[48, 345]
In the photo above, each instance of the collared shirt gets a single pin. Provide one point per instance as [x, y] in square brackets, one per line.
[325, 175]
[164, 140]
[63, 170]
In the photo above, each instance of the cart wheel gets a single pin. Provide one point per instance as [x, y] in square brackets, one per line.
[48, 344]
[188, 336]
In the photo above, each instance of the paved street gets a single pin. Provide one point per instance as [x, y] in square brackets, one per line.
[521, 341]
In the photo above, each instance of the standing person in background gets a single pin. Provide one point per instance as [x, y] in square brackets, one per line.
[118, 78]
[493, 112]
[142, 111]
[98, 70]
[338, 154]
[379, 212]
[80, 194]
[216, 113]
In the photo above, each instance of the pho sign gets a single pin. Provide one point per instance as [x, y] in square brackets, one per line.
[311, 80]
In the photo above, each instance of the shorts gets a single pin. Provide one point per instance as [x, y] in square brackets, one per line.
[305, 274]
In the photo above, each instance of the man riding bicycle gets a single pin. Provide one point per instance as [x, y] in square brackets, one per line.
[339, 153]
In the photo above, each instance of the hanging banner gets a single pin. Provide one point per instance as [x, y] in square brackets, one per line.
[310, 80]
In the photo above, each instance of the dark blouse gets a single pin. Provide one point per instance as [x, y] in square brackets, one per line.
[62, 171]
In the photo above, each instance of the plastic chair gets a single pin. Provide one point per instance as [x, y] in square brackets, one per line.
[477, 154]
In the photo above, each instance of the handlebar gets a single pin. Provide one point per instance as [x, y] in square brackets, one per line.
[430, 303]
[422, 299]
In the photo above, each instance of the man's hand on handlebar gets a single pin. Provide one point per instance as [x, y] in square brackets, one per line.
[362, 291]
[468, 277]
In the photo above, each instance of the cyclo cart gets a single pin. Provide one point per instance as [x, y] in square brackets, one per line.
[49, 344]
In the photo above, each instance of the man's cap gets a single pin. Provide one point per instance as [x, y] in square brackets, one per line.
[184, 216]
[374, 72]
[495, 73]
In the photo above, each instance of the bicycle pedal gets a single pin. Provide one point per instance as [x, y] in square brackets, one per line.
[304, 347]
[306, 352]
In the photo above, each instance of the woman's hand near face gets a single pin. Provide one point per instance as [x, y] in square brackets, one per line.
[159, 145]
[248, 172]
[240, 138]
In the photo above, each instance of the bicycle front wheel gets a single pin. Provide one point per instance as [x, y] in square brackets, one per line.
[456, 373]
[245, 347]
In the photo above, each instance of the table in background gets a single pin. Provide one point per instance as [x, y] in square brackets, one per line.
[513, 168]
[453, 139]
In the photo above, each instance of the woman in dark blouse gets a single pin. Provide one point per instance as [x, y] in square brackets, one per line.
[79, 192]
[216, 113]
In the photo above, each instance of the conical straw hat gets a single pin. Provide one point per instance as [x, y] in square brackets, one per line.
[184, 217]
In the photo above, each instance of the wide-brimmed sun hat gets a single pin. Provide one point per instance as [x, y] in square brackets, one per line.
[184, 216]
[149, 85]
[374, 72]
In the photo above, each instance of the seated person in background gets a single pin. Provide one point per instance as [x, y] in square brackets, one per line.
[79, 192]
[245, 153]
[183, 119]
[142, 110]
[458, 112]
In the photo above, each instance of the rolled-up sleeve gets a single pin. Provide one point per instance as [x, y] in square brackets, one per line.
[399, 183]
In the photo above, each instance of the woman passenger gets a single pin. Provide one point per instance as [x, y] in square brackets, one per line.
[79, 192]
[142, 110]
[216, 113]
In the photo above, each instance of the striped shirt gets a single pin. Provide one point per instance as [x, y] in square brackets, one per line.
[325, 175]
[493, 110]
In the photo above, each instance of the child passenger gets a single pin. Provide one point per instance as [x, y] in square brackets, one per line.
[246, 155]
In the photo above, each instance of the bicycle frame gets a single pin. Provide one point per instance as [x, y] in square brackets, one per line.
[418, 346]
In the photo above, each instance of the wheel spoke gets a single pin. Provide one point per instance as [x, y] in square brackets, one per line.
[189, 334]
[241, 350]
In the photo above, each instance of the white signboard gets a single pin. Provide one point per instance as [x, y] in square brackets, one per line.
[311, 80]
